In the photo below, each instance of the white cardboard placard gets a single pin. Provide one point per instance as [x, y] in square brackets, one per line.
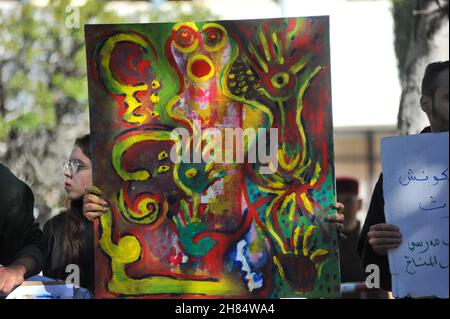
[415, 187]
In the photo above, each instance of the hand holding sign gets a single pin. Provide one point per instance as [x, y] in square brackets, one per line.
[383, 237]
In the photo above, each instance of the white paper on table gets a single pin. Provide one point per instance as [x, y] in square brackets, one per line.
[415, 187]
[39, 287]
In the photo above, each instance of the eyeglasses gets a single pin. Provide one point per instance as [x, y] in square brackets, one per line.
[74, 166]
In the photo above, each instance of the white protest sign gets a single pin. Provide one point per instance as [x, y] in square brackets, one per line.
[415, 187]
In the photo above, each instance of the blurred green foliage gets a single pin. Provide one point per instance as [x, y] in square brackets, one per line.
[42, 58]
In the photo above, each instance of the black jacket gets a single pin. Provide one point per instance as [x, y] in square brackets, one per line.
[350, 261]
[20, 235]
[375, 215]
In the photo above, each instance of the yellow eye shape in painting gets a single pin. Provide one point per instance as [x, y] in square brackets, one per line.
[154, 98]
[214, 36]
[155, 84]
[162, 155]
[280, 80]
[192, 172]
[163, 169]
[185, 37]
[155, 114]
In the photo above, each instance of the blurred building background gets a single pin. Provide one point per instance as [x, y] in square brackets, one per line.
[368, 75]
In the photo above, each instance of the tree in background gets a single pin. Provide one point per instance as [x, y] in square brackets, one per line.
[43, 85]
[418, 23]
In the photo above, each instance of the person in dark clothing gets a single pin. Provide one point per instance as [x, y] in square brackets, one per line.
[347, 190]
[377, 237]
[69, 237]
[20, 236]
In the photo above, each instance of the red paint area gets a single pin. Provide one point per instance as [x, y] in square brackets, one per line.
[200, 68]
[142, 155]
[213, 35]
[130, 65]
[135, 69]
[134, 203]
[316, 101]
[185, 36]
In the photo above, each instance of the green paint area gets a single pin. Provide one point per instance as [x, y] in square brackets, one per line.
[198, 181]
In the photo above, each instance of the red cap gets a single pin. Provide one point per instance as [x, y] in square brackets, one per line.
[347, 185]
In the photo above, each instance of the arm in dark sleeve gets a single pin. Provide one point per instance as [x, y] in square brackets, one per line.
[375, 215]
[22, 236]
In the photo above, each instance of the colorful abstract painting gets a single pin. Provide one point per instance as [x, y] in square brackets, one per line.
[213, 144]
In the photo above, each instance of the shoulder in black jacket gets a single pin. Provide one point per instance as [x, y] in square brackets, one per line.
[20, 235]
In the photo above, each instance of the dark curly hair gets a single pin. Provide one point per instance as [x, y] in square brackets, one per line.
[429, 82]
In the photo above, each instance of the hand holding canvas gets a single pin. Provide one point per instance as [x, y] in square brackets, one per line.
[93, 205]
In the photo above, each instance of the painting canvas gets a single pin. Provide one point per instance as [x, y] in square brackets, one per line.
[213, 144]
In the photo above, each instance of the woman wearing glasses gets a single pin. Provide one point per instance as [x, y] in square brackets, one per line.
[69, 236]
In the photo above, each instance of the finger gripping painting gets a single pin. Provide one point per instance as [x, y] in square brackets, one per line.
[212, 143]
